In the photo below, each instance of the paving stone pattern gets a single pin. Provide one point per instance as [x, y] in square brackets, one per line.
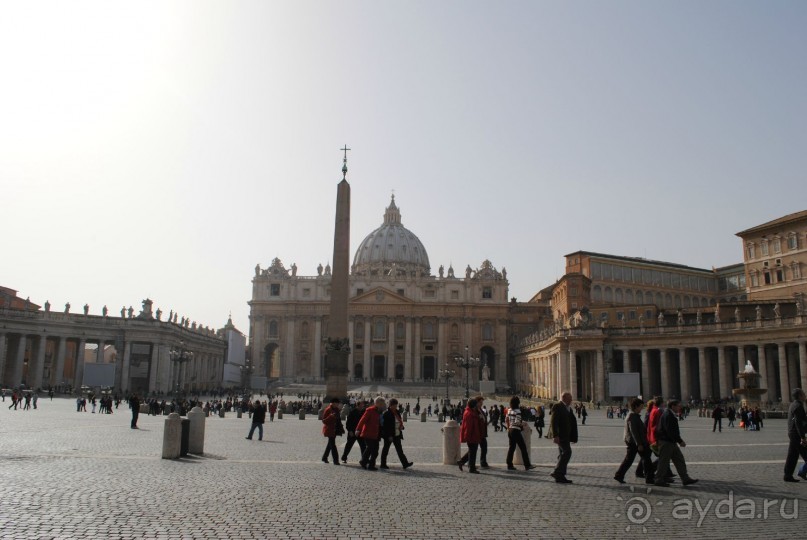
[65, 474]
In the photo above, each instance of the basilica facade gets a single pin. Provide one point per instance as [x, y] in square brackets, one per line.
[405, 322]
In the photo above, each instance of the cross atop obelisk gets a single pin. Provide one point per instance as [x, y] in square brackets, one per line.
[338, 344]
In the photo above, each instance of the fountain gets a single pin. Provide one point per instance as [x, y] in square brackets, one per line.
[750, 391]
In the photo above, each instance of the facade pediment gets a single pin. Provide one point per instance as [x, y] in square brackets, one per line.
[381, 296]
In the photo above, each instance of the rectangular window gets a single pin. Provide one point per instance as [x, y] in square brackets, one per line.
[618, 273]
[765, 248]
[455, 295]
[487, 292]
[796, 270]
[754, 280]
[632, 315]
[620, 315]
[359, 292]
[573, 291]
[648, 314]
[429, 347]
[777, 245]
[767, 278]
[751, 251]
[400, 292]
[358, 346]
[306, 292]
[780, 276]
[274, 289]
[792, 241]
[428, 293]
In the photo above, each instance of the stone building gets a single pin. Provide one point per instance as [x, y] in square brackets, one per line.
[687, 331]
[405, 323]
[44, 349]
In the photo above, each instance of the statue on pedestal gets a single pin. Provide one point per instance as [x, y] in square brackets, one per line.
[759, 313]
[680, 318]
[159, 313]
[776, 311]
[440, 271]
[47, 305]
[86, 309]
[293, 269]
[104, 311]
[130, 311]
[67, 307]
[319, 269]
[485, 372]
[661, 321]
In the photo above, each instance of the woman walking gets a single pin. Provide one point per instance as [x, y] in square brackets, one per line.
[515, 425]
[470, 434]
[331, 428]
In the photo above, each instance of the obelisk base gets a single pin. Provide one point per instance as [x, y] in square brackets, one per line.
[336, 374]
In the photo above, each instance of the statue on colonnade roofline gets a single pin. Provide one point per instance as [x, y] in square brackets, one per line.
[123, 312]
[131, 312]
[47, 305]
[86, 309]
[440, 271]
[67, 307]
[468, 272]
[104, 311]
[159, 313]
[450, 271]
[293, 269]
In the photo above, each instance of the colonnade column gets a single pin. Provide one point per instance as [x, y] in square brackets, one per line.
[646, 393]
[368, 344]
[441, 345]
[683, 367]
[316, 367]
[154, 365]
[573, 375]
[124, 372]
[99, 354]
[57, 376]
[763, 371]
[599, 373]
[79, 371]
[784, 377]
[802, 362]
[704, 373]
[664, 365]
[288, 356]
[625, 360]
[723, 379]
[740, 360]
[39, 367]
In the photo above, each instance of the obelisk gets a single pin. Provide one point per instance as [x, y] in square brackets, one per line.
[338, 344]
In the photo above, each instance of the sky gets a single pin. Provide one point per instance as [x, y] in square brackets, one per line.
[162, 149]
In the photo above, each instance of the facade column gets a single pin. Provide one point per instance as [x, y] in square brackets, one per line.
[391, 349]
[442, 352]
[289, 354]
[664, 365]
[39, 367]
[784, 377]
[18, 362]
[3, 356]
[625, 360]
[57, 376]
[646, 393]
[599, 374]
[99, 354]
[683, 366]
[725, 390]
[409, 362]
[78, 381]
[316, 367]
[416, 358]
[802, 362]
[563, 371]
[368, 345]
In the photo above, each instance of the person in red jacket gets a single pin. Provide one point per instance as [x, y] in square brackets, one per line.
[331, 428]
[471, 434]
[369, 429]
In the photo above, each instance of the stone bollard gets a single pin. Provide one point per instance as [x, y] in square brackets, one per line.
[405, 416]
[527, 435]
[451, 443]
[172, 436]
[280, 414]
[423, 416]
[221, 412]
[301, 414]
[239, 414]
[441, 418]
[319, 414]
[196, 442]
[144, 408]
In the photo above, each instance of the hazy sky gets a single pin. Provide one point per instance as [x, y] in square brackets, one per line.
[163, 149]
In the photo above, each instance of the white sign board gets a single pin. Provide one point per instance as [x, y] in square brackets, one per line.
[623, 384]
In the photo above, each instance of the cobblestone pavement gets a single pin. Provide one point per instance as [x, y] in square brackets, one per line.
[65, 474]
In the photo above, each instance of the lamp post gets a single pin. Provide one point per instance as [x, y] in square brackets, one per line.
[467, 363]
[246, 371]
[179, 357]
[447, 374]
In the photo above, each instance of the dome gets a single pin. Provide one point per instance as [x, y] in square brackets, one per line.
[391, 249]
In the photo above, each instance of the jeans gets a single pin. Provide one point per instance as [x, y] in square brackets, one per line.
[252, 430]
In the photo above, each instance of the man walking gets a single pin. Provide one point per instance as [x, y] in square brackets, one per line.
[369, 429]
[668, 438]
[796, 419]
[564, 426]
[258, 418]
[392, 433]
[353, 418]
[635, 437]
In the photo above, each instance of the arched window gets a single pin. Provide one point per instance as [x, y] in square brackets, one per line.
[455, 331]
[400, 331]
[659, 300]
[428, 330]
[304, 330]
[358, 330]
[273, 331]
[639, 297]
[678, 302]
[609, 294]
[379, 329]
[668, 302]
[629, 296]
[597, 294]
[618, 296]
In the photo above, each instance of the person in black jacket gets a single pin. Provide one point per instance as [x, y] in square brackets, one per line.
[392, 433]
[258, 418]
[564, 428]
[350, 426]
[668, 438]
[134, 404]
[796, 419]
[635, 437]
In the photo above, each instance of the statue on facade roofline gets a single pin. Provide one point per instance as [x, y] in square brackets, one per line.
[293, 269]
[47, 305]
[159, 313]
[661, 321]
[440, 271]
[86, 309]
[67, 307]
[131, 312]
[319, 269]
[468, 272]
[123, 312]
[257, 269]
[104, 311]
[776, 311]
